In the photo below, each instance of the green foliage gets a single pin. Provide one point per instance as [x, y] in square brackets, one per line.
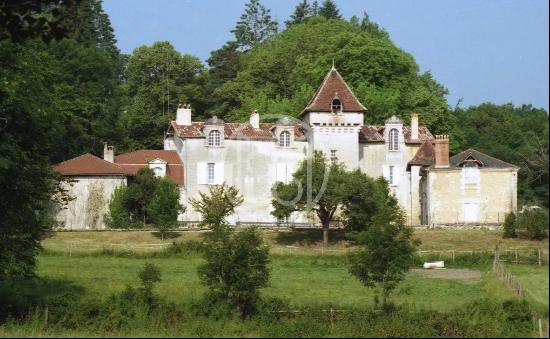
[165, 206]
[216, 205]
[366, 199]
[302, 12]
[149, 276]
[329, 10]
[326, 194]
[386, 254]
[157, 78]
[515, 134]
[118, 217]
[139, 194]
[236, 267]
[281, 75]
[534, 222]
[254, 26]
[510, 226]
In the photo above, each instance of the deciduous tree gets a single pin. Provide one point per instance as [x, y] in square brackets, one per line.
[216, 205]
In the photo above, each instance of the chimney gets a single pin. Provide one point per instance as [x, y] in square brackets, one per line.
[255, 119]
[441, 151]
[108, 153]
[183, 115]
[414, 126]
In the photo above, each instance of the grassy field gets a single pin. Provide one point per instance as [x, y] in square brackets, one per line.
[303, 273]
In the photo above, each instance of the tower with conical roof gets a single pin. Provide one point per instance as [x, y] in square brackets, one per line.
[335, 116]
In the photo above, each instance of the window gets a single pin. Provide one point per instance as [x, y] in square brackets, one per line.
[470, 175]
[392, 175]
[333, 157]
[284, 139]
[336, 105]
[211, 175]
[158, 171]
[393, 144]
[214, 139]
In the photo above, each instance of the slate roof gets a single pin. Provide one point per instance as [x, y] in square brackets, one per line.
[132, 162]
[334, 86]
[485, 160]
[88, 165]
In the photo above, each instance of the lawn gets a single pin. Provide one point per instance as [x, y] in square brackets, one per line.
[534, 281]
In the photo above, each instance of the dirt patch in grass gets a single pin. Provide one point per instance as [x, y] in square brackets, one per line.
[449, 273]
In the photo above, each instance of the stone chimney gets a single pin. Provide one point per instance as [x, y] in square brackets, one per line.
[108, 153]
[441, 151]
[255, 119]
[183, 115]
[414, 126]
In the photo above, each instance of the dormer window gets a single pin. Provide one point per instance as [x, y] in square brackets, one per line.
[336, 105]
[393, 144]
[214, 138]
[284, 139]
[159, 172]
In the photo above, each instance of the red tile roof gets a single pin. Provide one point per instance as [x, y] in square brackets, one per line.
[425, 156]
[132, 162]
[373, 133]
[88, 165]
[334, 86]
[235, 131]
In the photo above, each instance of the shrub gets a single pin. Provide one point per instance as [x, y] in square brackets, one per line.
[534, 222]
[165, 206]
[236, 267]
[510, 226]
[117, 217]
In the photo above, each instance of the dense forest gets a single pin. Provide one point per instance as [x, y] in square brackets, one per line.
[65, 89]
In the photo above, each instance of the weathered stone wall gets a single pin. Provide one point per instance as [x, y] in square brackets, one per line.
[453, 201]
[91, 197]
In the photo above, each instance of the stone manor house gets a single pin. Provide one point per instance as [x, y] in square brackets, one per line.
[433, 188]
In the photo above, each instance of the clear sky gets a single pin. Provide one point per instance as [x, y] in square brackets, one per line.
[490, 50]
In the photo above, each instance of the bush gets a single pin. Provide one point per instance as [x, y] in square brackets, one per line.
[510, 226]
[164, 207]
[534, 222]
[117, 217]
[236, 267]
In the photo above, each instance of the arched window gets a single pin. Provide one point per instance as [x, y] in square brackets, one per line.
[393, 144]
[284, 139]
[214, 138]
[336, 105]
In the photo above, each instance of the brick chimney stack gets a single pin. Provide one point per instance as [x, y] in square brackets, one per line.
[441, 151]
[108, 153]
[414, 126]
[255, 120]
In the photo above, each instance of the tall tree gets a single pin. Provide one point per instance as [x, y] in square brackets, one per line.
[373, 28]
[255, 25]
[301, 13]
[157, 78]
[165, 206]
[324, 193]
[329, 10]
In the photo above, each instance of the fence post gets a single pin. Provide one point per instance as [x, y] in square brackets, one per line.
[540, 262]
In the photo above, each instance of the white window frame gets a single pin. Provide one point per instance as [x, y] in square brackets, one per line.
[284, 139]
[214, 138]
[393, 142]
[471, 175]
[158, 171]
[211, 173]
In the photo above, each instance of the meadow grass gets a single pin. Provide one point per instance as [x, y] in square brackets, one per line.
[534, 280]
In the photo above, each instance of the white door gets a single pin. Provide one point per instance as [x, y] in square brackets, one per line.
[471, 211]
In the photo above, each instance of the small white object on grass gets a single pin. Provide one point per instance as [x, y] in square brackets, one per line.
[435, 264]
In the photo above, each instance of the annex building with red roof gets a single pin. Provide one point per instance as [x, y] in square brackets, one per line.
[431, 187]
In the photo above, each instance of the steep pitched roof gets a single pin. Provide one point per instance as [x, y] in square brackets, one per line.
[485, 160]
[334, 86]
[132, 162]
[88, 164]
[235, 131]
[425, 156]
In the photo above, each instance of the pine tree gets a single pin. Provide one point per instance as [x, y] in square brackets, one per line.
[301, 13]
[372, 27]
[329, 10]
[315, 8]
[255, 25]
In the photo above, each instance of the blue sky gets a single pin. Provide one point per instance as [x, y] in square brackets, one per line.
[491, 50]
